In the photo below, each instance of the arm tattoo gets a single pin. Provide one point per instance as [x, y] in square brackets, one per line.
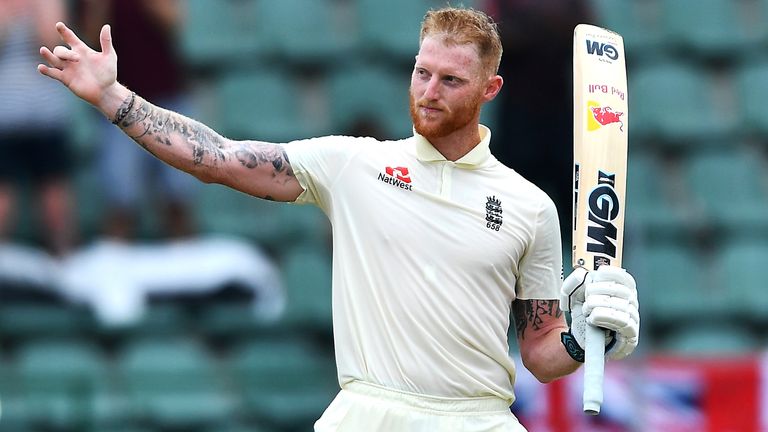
[253, 155]
[161, 124]
[528, 313]
[153, 127]
[124, 108]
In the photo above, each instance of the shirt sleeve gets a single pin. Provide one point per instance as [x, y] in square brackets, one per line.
[317, 163]
[541, 267]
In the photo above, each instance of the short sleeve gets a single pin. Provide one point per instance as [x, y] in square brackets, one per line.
[318, 162]
[541, 267]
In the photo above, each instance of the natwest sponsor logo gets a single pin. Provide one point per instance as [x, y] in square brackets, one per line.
[397, 176]
[400, 173]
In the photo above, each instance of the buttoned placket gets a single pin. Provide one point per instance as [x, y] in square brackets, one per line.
[446, 175]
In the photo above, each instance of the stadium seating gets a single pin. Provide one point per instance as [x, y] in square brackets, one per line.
[390, 28]
[675, 286]
[158, 319]
[316, 35]
[651, 204]
[261, 104]
[235, 426]
[637, 22]
[283, 382]
[307, 278]
[220, 33]
[370, 90]
[739, 274]
[752, 84]
[273, 226]
[13, 399]
[65, 384]
[20, 320]
[712, 29]
[173, 383]
[675, 103]
[728, 188]
[223, 321]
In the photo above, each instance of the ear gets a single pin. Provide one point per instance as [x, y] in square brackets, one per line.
[493, 87]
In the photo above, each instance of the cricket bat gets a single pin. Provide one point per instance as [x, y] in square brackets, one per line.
[599, 172]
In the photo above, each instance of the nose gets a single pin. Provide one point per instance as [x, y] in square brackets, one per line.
[432, 90]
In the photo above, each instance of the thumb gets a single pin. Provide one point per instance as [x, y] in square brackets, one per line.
[105, 37]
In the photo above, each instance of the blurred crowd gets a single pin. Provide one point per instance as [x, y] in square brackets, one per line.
[75, 191]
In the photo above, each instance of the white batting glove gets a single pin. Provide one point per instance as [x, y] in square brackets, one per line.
[606, 298]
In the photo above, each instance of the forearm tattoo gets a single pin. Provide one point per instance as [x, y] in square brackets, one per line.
[529, 313]
[158, 125]
[153, 128]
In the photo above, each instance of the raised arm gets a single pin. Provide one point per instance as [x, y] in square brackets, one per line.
[257, 168]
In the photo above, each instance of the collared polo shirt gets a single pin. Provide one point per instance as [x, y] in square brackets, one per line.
[428, 255]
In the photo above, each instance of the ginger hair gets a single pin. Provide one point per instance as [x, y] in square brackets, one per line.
[459, 26]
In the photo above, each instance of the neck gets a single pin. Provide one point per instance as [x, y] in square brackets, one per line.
[460, 142]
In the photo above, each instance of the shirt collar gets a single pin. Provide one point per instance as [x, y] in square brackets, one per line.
[425, 152]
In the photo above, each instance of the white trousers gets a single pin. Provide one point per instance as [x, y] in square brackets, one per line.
[365, 407]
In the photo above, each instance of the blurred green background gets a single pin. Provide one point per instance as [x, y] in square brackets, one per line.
[278, 70]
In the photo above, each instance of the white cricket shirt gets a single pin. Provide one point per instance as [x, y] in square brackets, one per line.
[428, 255]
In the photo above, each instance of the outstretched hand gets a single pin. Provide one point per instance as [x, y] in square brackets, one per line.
[86, 72]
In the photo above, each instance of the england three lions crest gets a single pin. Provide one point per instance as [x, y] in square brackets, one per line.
[493, 213]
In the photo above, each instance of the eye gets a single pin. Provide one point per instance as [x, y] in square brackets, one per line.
[452, 80]
[421, 74]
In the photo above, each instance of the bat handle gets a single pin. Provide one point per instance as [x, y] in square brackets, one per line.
[594, 362]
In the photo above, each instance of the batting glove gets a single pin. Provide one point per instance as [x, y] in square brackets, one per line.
[606, 298]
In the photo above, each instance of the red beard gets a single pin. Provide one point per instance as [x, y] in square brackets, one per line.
[451, 121]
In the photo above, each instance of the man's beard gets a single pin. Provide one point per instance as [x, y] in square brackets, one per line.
[451, 122]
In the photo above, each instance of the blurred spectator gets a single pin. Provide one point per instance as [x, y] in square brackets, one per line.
[144, 33]
[33, 122]
[118, 279]
[534, 132]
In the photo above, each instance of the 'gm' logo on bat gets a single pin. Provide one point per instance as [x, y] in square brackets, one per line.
[603, 210]
[602, 49]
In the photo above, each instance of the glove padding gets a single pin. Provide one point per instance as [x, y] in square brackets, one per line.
[606, 298]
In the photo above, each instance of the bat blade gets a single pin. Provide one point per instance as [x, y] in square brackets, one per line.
[599, 171]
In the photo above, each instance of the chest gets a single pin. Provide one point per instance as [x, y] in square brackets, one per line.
[450, 215]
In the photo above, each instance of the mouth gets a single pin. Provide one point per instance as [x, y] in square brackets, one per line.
[427, 110]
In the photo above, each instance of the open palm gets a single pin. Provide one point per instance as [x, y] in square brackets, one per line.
[86, 72]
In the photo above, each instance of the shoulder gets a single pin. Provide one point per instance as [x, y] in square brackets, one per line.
[331, 145]
[335, 153]
[523, 189]
[350, 143]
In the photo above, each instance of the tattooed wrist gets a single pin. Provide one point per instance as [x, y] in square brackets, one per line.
[124, 108]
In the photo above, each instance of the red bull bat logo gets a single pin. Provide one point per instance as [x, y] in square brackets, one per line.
[599, 116]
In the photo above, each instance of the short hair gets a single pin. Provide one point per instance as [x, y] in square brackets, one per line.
[462, 26]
